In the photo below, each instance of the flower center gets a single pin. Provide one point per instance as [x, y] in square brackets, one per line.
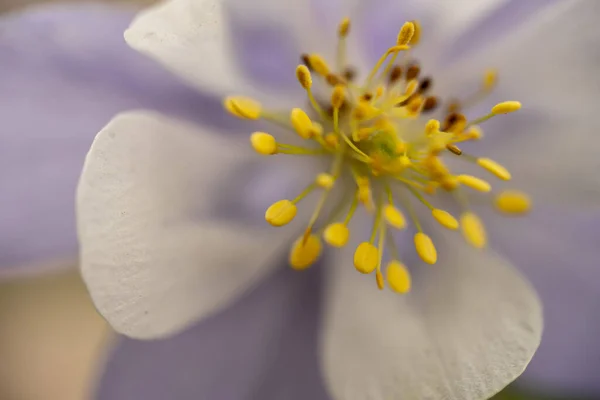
[382, 134]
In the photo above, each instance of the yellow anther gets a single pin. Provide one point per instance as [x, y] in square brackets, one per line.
[325, 180]
[364, 110]
[394, 217]
[513, 202]
[263, 143]
[304, 77]
[494, 168]
[336, 234]
[332, 140]
[506, 107]
[405, 161]
[302, 123]
[338, 96]
[398, 277]
[366, 258]
[474, 183]
[406, 33]
[490, 79]
[280, 213]
[445, 218]
[473, 230]
[365, 197]
[411, 87]
[243, 107]
[425, 248]
[416, 38]
[318, 64]
[344, 27]
[432, 127]
[305, 252]
[449, 183]
[474, 133]
[379, 279]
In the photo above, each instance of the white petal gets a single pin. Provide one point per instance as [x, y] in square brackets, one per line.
[550, 65]
[213, 43]
[155, 254]
[468, 328]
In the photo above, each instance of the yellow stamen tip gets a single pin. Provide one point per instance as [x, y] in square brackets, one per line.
[398, 277]
[425, 248]
[490, 79]
[344, 27]
[406, 33]
[513, 202]
[506, 107]
[379, 279]
[416, 38]
[336, 234]
[474, 183]
[302, 123]
[338, 96]
[332, 140]
[473, 230]
[445, 218]
[304, 253]
[303, 76]
[494, 168]
[432, 127]
[394, 217]
[242, 107]
[366, 258]
[325, 180]
[263, 143]
[280, 213]
[318, 64]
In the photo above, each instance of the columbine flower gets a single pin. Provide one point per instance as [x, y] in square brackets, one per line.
[383, 157]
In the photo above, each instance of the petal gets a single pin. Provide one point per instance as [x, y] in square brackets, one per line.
[211, 43]
[560, 256]
[554, 154]
[468, 328]
[64, 72]
[154, 254]
[262, 347]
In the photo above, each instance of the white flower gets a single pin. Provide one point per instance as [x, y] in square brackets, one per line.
[159, 252]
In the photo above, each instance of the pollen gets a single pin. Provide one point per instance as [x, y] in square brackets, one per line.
[305, 252]
[280, 213]
[513, 202]
[366, 258]
[389, 147]
[398, 277]
[263, 143]
[336, 235]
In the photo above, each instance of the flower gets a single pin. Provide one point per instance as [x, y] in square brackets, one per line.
[65, 72]
[165, 208]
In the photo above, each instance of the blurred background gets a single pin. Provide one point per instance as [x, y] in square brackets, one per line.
[52, 342]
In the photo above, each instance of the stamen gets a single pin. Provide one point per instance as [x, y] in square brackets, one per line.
[473, 230]
[425, 248]
[366, 257]
[343, 30]
[513, 202]
[281, 213]
[474, 183]
[445, 219]
[398, 277]
[242, 107]
[336, 234]
[305, 252]
[493, 167]
[302, 123]
[263, 143]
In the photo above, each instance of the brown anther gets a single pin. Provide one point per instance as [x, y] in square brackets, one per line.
[366, 96]
[305, 60]
[395, 74]
[454, 149]
[413, 72]
[430, 104]
[424, 84]
[349, 74]
[334, 79]
[453, 120]
[454, 106]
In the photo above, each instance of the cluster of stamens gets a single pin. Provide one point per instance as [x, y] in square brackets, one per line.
[383, 135]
